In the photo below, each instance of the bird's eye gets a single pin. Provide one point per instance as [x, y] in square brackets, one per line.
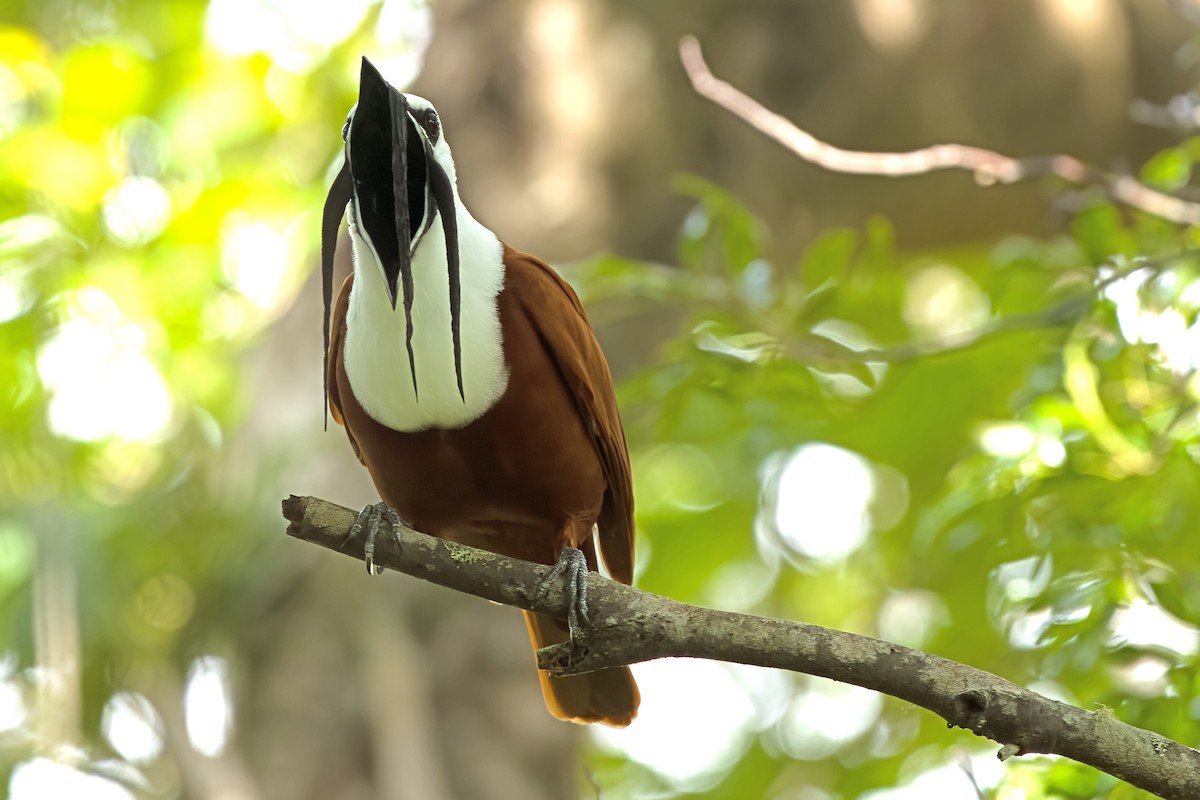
[428, 120]
[346, 129]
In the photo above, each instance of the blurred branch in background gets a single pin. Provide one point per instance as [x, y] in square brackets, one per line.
[206, 776]
[630, 626]
[987, 166]
[1068, 310]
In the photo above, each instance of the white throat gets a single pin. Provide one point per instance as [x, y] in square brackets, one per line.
[375, 354]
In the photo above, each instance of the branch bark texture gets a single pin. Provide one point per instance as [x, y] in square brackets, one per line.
[629, 625]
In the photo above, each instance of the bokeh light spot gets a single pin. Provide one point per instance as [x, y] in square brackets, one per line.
[692, 724]
[166, 602]
[133, 727]
[679, 476]
[101, 383]
[823, 501]
[136, 210]
[845, 713]
[208, 705]
[256, 260]
[942, 301]
[42, 778]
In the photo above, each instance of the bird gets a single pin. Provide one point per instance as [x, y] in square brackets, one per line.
[469, 381]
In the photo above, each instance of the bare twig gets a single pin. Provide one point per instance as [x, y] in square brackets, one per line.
[629, 626]
[964, 763]
[1181, 113]
[987, 166]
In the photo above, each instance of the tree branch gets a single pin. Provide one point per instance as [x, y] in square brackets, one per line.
[1068, 310]
[987, 166]
[818, 348]
[629, 625]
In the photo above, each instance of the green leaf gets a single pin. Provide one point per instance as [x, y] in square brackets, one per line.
[881, 240]
[854, 369]
[719, 229]
[827, 257]
[1169, 170]
[1102, 234]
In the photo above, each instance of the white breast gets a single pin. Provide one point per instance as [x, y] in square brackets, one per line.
[375, 355]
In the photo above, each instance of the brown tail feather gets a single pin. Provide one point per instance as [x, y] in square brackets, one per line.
[608, 696]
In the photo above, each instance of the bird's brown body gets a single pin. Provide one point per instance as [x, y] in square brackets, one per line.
[530, 476]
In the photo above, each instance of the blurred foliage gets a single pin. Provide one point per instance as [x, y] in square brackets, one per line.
[1035, 491]
[159, 201]
[1030, 494]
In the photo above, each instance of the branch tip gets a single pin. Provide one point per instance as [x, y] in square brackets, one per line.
[1008, 751]
[294, 509]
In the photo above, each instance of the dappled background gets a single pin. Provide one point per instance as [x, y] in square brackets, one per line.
[961, 418]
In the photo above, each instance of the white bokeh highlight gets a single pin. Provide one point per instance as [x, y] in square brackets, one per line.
[256, 259]
[102, 383]
[136, 210]
[693, 724]
[208, 706]
[1178, 343]
[826, 716]
[45, 779]
[823, 499]
[132, 727]
[1142, 624]
[297, 34]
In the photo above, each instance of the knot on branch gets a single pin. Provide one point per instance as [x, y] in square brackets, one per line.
[972, 703]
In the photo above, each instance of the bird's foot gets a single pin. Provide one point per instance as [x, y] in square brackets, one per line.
[370, 520]
[573, 564]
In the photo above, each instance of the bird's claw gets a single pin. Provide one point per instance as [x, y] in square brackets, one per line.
[370, 520]
[573, 564]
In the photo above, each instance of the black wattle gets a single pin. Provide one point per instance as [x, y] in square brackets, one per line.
[443, 196]
[401, 194]
[341, 192]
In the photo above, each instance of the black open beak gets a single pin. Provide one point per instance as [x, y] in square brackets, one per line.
[389, 184]
[397, 187]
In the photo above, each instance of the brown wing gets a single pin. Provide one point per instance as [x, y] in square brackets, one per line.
[551, 304]
[337, 338]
